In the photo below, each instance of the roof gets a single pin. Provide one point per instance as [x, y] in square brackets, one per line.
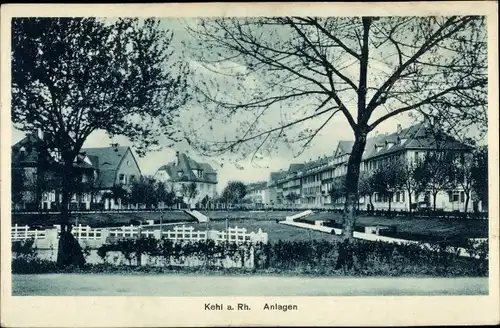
[30, 156]
[256, 185]
[32, 145]
[183, 170]
[294, 167]
[278, 175]
[108, 161]
[109, 157]
[418, 136]
[345, 146]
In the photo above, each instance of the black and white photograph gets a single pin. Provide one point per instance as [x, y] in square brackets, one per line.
[249, 155]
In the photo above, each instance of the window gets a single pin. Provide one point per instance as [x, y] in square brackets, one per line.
[416, 156]
[462, 197]
[398, 199]
[455, 196]
[121, 178]
[132, 178]
[128, 163]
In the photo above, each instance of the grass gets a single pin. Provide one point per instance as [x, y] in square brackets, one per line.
[275, 231]
[101, 219]
[434, 227]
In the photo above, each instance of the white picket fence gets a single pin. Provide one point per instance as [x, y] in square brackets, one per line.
[183, 233]
[24, 232]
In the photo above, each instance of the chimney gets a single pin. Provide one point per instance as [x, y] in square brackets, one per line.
[176, 158]
[399, 129]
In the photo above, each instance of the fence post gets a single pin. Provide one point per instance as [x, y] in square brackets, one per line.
[26, 232]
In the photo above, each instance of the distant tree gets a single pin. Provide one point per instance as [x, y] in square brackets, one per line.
[120, 194]
[205, 201]
[338, 189]
[170, 198]
[144, 191]
[479, 175]
[437, 173]
[462, 171]
[74, 76]
[161, 192]
[292, 197]
[234, 192]
[365, 187]
[412, 179]
[189, 191]
[387, 178]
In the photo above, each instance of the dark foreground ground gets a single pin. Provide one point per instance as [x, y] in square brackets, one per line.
[194, 285]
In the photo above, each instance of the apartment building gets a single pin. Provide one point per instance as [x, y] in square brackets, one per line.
[313, 180]
[257, 194]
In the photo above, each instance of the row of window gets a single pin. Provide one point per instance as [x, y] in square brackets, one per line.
[126, 179]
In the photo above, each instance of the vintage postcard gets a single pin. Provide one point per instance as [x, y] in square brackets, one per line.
[282, 164]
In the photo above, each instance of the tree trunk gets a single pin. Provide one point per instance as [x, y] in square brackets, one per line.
[371, 203]
[389, 198]
[409, 202]
[69, 251]
[434, 195]
[352, 179]
[467, 198]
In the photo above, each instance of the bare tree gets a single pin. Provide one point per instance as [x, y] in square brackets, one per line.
[463, 172]
[189, 191]
[365, 187]
[308, 69]
[412, 179]
[387, 179]
[438, 173]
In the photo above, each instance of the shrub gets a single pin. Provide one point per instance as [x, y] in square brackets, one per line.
[313, 257]
[24, 249]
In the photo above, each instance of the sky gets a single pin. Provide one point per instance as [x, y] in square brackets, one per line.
[323, 145]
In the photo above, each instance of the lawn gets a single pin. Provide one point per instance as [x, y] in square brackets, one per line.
[442, 228]
[275, 231]
[101, 219]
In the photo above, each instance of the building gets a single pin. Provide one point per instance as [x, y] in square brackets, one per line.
[184, 172]
[117, 166]
[257, 194]
[97, 171]
[307, 185]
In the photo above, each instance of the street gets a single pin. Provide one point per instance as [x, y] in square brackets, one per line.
[196, 285]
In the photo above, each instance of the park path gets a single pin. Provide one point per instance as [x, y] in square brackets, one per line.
[198, 285]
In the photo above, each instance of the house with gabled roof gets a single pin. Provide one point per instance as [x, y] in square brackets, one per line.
[37, 169]
[97, 169]
[185, 171]
[117, 166]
